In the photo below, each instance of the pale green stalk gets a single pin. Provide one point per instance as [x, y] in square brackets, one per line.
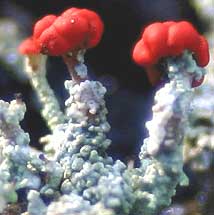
[35, 67]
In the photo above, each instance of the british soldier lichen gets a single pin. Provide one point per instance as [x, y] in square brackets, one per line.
[79, 177]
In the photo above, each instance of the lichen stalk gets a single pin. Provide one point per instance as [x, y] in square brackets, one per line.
[80, 175]
[161, 156]
[80, 147]
[35, 67]
[75, 64]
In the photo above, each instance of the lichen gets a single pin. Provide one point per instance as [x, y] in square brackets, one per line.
[79, 177]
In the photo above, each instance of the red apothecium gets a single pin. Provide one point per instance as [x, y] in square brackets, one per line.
[166, 39]
[29, 47]
[74, 29]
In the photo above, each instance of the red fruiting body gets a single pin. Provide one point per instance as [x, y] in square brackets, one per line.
[74, 29]
[67, 13]
[95, 27]
[155, 38]
[42, 25]
[29, 47]
[169, 39]
[202, 52]
[196, 83]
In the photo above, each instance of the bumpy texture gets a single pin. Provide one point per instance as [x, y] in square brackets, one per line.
[161, 154]
[21, 166]
[73, 204]
[79, 178]
[80, 149]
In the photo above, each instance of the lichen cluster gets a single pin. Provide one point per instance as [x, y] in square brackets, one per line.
[75, 175]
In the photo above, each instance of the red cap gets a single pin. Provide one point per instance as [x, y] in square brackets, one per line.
[29, 47]
[74, 29]
[169, 39]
